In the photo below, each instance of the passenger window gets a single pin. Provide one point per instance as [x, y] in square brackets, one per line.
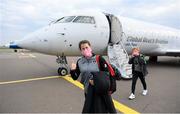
[65, 19]
[84, 19]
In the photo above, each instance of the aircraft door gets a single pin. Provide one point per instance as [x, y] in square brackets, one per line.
[116, 29]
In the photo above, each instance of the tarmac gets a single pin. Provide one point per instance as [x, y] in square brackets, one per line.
[29, 83]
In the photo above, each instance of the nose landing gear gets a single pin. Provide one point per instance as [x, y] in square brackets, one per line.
[63, 69]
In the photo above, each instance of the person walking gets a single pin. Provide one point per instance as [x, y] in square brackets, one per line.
[139, 70]
[95, 101]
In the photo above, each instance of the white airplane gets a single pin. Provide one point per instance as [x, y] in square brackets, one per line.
[61, 37]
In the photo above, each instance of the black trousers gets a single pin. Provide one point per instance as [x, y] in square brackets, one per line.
[134, 80]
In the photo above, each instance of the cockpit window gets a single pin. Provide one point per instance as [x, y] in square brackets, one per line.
[65, 19]
[84, 19]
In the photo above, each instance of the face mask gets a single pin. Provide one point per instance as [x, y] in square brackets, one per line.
[135, 53]
[87, 52]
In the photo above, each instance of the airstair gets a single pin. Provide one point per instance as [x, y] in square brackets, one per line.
[119, 58]
[117, 54]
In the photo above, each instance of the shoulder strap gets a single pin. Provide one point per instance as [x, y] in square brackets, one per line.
[97, 60]
[110, 69]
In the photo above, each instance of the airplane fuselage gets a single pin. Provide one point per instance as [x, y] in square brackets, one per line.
[62, 37]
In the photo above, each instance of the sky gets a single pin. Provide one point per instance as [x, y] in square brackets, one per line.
[21, 17]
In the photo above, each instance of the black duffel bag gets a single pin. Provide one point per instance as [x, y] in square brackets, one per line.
[101, 82]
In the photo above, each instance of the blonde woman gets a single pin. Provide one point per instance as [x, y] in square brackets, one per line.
[139, 70]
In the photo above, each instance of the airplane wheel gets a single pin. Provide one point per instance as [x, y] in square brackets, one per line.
[62, 71]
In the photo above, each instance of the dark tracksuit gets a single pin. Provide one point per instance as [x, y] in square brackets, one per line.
[138, 70]
[94, 103]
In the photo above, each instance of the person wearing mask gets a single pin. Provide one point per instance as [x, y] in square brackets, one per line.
[94, 102]
[139, 70]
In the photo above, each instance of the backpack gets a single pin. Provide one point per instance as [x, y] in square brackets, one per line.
[117, 73]
[111, 75]
[143, 57]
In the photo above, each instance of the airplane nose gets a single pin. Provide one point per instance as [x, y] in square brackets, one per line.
[30, 41]
[26, 44]
[21, 43]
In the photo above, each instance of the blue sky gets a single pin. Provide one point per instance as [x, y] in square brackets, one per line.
[21, 17]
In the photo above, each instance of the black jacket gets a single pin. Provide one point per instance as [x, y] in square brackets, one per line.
[140, 62]
[96, 103]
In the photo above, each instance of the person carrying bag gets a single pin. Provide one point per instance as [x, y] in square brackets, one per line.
[96, 80]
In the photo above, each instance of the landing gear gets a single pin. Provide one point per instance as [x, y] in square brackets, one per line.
[63, 69]
[153, 59]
